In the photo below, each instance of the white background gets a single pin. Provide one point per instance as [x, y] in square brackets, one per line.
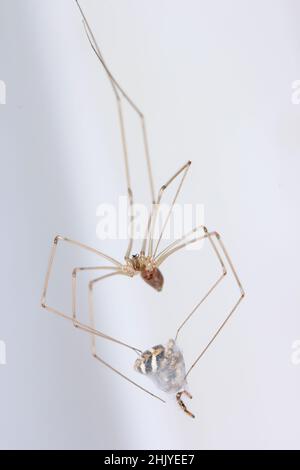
[214, 79]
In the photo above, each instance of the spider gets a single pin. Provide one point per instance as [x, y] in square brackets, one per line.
[163, 364]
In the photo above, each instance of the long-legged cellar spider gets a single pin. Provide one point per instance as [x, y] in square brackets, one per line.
[163, 364]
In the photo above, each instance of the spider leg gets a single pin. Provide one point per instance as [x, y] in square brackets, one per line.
[96, 49]
[181, 244]
[91, 328]
[118, 92]
[180, 240]
[183, 171]
[75, 273]
[173, 246]
[98, 358]
[92, 283]
[57, 239]
[215, 284]
[155, 207]
[229, 315]
[118, 88]
[73, 318]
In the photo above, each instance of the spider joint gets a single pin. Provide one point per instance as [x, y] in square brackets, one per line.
[55, 241]
[91, 285]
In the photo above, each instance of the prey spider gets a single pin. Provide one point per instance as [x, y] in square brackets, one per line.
[163, 364]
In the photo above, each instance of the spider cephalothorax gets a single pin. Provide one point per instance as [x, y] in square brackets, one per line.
[149, 272]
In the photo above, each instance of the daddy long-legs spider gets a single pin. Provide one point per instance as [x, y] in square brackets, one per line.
[165, 365]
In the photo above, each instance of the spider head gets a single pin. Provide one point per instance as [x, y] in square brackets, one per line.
[154, 278]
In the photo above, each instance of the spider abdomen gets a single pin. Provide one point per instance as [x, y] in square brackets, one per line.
[146, 266]
[154, 278]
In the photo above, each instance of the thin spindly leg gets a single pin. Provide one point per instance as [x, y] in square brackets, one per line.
[234, 272]
[163, 255]
[91, 328]
[75, 273]
[96, 49]
[155, 207]
[215, 284]
[212, 288]
[115, 264]
[179, 244]
[119, 92]
[185, 239]
[80, 325]
[94, 350]
[242, 295]
[98, 358]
